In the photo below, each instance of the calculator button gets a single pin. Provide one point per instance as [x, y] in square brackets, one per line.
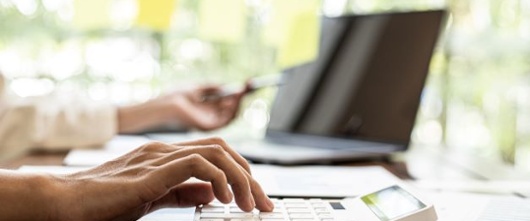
[293, 200]
[325, 216]
[236, 210]
[304, 216]
[271, 215]
[213, 215]
[214, 204]
[227, 216]
[213, 210]
[246, 219]
[296, 210]
[320, 210]
[295, 205]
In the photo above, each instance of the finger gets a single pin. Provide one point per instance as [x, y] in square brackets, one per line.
[235, 103]
[237, 177]
[229, 104]
[186, 195]
[263, 202]
[180, 170]
[198, 94]
[141, 155]
[216, 140]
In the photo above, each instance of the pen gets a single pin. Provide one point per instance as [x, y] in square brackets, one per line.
[218, 96]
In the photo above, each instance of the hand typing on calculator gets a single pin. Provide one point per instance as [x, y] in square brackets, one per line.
[284, 210]
[144, 180]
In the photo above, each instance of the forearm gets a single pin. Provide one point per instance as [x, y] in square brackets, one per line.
[28, 196]
[136, 118]
[55, 124]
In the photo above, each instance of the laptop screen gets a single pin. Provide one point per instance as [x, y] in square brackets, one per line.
[366, 83]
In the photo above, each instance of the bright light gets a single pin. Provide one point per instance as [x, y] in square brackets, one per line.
[429, 132]
[256, 114]
[192, 49]
[334, 7]
[26, 7]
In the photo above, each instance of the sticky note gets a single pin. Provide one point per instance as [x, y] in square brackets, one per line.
[294, 28]
[302, 40]
[91, 14]
[222, 20]
[278, 21]
[155, 14]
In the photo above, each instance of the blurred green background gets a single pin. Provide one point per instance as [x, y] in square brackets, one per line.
[477, 99]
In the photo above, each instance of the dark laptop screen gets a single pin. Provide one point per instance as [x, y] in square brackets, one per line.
[367, 81]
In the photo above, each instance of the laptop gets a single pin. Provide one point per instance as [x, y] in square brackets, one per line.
[359, 98]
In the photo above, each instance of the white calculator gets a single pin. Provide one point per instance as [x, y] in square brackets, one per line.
[389, 204]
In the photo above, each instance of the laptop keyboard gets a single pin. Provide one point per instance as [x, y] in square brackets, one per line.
[284, 209]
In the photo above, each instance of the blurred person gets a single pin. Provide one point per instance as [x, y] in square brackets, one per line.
[63, 122]
[144, 180]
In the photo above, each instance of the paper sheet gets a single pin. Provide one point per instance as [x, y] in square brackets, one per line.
[520, 187]
[156, 14]
[321, 181]
[118, 146]
[123, 144]
[301, 181]
[222, 21]
[451, 206]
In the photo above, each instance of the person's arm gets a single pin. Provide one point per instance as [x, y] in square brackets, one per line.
[51, 123]
[146, 179]
[69, 121]
[28, 196]
[185, 108]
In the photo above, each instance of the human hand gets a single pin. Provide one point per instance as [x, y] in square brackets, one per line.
[193, 110]
[152, 176]
[188, 108]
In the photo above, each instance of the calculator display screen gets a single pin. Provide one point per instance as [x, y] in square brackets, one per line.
[391, 203]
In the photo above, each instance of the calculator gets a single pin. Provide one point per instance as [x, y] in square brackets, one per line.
[393, 203]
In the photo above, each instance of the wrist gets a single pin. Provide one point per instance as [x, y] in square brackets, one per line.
[30, 196]
[51, 189]
[136, 118]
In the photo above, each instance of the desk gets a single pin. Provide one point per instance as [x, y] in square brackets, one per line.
[418, 163]
[421, 164]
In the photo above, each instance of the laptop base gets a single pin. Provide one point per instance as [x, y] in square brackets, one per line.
[282, 154]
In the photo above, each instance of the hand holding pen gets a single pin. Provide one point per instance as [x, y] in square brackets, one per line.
[251, 85]
[203, 108]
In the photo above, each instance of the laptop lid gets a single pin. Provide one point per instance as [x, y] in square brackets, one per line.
[363, 91]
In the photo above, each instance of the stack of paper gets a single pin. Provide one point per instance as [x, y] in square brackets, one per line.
[118, 146]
